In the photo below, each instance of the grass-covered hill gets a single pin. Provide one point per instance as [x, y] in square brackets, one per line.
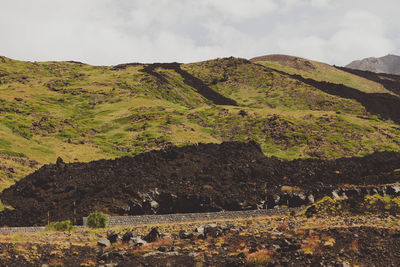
[81, 112]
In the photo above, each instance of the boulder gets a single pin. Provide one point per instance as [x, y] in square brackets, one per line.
[185, 235]
[104, 242]
[137, 241]
[213, 230]
[153, 236]
[113, 237]
[127, 236]
[199, 230]
[154, 204]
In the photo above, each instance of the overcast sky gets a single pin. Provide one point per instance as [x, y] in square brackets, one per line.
[108, 32]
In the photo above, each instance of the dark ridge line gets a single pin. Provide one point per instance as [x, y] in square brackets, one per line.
[75, 62]
[190, 80]
[125, 65]
[389, 81]
[385, 105]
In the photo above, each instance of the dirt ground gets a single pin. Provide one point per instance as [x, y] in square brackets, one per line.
[276, 241]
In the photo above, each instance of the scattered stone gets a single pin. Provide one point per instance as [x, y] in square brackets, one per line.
[128, 236]
[153, 236]
[104, 242]
[199, 230]
[162, 249]
[154, 253]
[184, 235]
[113, 237]
[154, 204]
[213, 230]
[137, 241]
[243, 113]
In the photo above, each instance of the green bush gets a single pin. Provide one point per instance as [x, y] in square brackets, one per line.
[60, 226]
[97, 219]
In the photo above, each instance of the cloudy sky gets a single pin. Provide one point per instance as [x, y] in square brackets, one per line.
[108, 32]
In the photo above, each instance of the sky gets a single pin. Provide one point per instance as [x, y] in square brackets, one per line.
[110, 32]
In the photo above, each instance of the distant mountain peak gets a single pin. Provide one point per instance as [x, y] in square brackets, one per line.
[387, 64]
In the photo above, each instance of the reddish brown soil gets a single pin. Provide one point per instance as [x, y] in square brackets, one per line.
[199, 178]
[362, 246]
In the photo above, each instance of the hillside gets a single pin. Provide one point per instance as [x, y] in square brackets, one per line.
[319, 71]
[390, 81]
[82, 113]
[389, 64]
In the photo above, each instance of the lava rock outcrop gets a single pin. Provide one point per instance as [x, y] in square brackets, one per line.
[197, 178]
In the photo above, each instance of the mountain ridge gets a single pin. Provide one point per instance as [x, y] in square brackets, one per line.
[389, 64]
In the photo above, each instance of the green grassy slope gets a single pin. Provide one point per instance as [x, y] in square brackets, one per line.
[319, 71]
[82, 113]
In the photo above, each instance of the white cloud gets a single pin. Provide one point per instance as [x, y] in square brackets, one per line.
[321, 3]
[290, 4]
[239, 9]
[359, 34]
[115, 31]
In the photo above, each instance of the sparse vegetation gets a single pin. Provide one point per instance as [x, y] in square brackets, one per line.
[370, 204]
[251, 241]
[97, 219]
[5, 207]
[60, 226]
[259, 258]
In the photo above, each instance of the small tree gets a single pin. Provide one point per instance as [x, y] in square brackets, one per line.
[97, 219]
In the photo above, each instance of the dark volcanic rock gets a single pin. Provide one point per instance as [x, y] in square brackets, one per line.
[190, 80]
[385, 106]
[128, 235]
[113, 237]
[153, 236]
[213, 230]
[198, 178]
[389, 81]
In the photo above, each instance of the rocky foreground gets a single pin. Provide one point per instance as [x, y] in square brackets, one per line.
[270, 241]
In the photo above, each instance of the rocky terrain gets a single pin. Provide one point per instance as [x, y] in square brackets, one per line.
[198, 178]
[269, 241]
[389, 64]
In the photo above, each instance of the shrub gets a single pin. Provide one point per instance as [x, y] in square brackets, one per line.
[326, 206]
[60, 226]
[259, 258]
[97, 219]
